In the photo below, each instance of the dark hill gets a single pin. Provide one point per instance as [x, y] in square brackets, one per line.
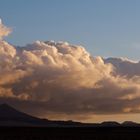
[10, 116]
[9, 113]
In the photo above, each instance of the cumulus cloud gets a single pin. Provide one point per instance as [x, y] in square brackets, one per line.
[124, 66]
[4, 31]
[59, 80]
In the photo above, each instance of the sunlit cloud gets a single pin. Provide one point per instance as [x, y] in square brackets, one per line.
[4, 31]
[57, 79]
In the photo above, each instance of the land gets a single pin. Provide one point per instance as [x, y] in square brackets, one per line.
[40, 133]
[16, 125]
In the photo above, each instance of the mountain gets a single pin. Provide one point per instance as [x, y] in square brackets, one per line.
[8, 112]
[9, 116]
[130, 124]
[110, 124]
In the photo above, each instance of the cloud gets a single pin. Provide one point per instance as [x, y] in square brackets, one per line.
[60, 80]
[4, 31]
[124, 66]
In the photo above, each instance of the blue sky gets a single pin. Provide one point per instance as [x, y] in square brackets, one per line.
[105, 27]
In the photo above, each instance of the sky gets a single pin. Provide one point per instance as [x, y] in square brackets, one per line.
[89, 73]
[104, 27]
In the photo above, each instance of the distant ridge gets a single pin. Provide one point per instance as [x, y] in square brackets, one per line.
[110, 124]
[9, 116]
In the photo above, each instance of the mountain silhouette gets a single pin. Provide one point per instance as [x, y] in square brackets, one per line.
[130, 123]
[110, 124]
[8, 112]
[9, 116]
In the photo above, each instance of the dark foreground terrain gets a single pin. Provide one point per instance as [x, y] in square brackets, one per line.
[100, 133]
[17, 125]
